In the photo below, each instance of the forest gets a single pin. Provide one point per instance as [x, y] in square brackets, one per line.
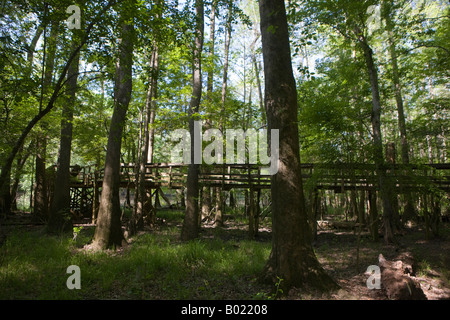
[224, 150]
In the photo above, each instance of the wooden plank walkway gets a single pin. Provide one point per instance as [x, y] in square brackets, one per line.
[339, 177]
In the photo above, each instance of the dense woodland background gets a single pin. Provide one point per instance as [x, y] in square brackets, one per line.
[367, 82]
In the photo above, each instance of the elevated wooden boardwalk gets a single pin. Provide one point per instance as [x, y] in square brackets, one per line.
[339, 177]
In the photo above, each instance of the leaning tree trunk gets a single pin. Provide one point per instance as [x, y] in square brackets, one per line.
[292, 257]
[108, 232]
[190, 225]
[60, 220]
[7, 164]
[8, 195]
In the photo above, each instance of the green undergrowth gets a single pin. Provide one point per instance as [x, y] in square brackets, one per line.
[154, 265]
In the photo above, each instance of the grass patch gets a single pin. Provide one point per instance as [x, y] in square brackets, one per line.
[154, 266]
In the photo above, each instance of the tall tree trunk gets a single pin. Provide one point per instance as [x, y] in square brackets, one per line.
[292, 257]
[218, 220]
[190, 225]
[212, 34]
[258, 80]
[7, 194]
[225, 63]
[206, 191]
[60, 220]
[41, 205]
[148, 207]
[143, 206]
[409, 212]
[108, 232]
[383, 183]
[7, 164]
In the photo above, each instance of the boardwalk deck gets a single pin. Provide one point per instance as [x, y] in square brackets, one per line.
[339, 177]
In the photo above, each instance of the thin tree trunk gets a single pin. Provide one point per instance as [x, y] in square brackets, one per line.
[7, 194]
[143, 206]
[41, 205]
[292, 258]
[212, 33]
[108, 232]
[6, 167]
[21, 160]
[409, 212]
[258, 80]
[218, 220]
[30, 51]
[206, 191]
[60, 220]
[218, 217]
[225, 63]
[373, 214]
[190, 225]
[385, 191]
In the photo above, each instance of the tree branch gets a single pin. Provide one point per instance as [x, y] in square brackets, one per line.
[51, 103]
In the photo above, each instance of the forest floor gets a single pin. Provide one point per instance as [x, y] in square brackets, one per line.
[337, 251]
[222, 264]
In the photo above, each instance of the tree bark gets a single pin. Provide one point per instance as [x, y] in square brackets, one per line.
[41, 205]
[212, 32]
[21, 160]
[258, 80]
[218, 220]
[385, 191]
[190, 225]
[108, 232]
[218, 217]
[7, 194]
[206, 191]
[6, 168]
[225, 63]
[60, 220]
[409, 212]
[292, 257]
[144, 206]
[373, 214]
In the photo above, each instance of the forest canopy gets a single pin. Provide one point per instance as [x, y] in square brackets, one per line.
[92, 92]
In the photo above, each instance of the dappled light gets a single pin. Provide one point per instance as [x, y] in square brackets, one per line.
[226, 151]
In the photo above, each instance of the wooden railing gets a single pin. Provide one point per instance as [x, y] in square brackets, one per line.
[338, 177]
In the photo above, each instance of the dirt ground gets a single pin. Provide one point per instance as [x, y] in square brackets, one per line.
[338, 252]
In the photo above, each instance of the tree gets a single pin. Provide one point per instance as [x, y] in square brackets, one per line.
[349, 19]
[218, 219]
[409, 212]
[148, 114]
[292, 257]
[384, 186]
[206, 190]
[190, 224]
[60, 219]
[108, 232]
[17, 144]
[41, 195]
